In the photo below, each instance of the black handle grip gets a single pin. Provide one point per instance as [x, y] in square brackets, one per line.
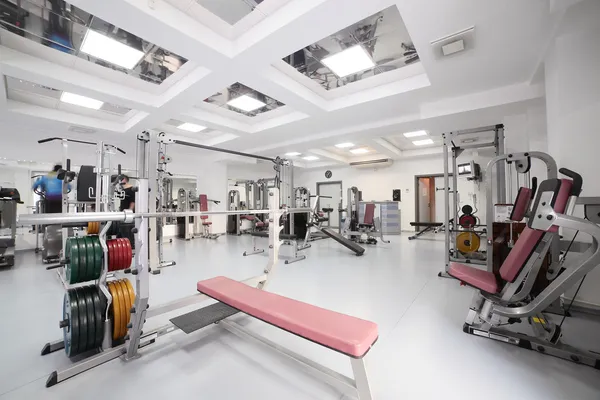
[68, 164]
[534, 185]
[48, 139]
[119, 169]
[577, 180]
[49, 267]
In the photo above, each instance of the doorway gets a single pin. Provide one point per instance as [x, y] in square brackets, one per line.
[333, 190]
[429, 198]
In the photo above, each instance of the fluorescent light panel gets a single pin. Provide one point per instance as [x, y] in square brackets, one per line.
[186, 126]
[349, 61]
[422, 142]
[310, 158]
[82, 101]
[107, 49]
[360, 150]
[292, 154]
[246, 103]
[344, 145]
[415, 134]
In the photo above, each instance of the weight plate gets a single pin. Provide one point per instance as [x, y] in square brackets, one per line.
[123, 253]
[72, 252]
[82, 260]
[467, 221]
[83, 322]
[128, 305]
[467, 242]
[130, 291]
[124, 310]
[111, 254]
[467, 209]
[71, 331]
[118, 258]
[116, 310]
[91, 259]
[91, 316]
[98, 317]
[129, 252]
[97, 256]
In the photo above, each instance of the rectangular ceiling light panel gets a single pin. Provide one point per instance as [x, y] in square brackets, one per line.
[344, 145]
[292, 154]
[360, 150]
[349, 61]
[191, 127]
[246, 103]
[415, 134]
[72, 98]
[110, 50]
[423, 142]
[310, 158]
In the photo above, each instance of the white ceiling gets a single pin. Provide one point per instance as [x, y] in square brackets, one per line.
[474, 88]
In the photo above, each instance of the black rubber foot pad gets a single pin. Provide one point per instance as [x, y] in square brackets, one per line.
[198, 319]
[52, 379]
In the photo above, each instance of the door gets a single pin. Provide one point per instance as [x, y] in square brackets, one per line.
[425, 200]
[333, 190]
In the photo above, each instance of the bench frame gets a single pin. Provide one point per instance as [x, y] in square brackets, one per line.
[137, 339]
[293, 243]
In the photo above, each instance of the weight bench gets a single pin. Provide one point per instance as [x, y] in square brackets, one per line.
[350, 336]
[291, 240]
[429, 226]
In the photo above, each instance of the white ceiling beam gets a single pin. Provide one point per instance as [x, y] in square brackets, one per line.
[330, 155]
[386, 148]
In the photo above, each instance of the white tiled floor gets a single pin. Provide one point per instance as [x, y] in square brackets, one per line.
[421, 353]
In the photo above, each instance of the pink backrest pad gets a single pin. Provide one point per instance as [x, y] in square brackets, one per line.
[369, 213]
[529, 238]
[349, 335]
[203, 205]
[521, 204]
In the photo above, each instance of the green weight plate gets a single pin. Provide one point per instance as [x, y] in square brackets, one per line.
[97, 256]
[98, 316]
[91, 258]
[91, 316]
[82, 260]
[72, 253]
[71, 331]
[83, 321]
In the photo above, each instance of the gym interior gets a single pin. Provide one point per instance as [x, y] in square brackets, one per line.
[267, 199]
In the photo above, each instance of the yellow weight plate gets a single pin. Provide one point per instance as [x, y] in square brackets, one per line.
[130, 290]
[123, 309]
[467, 242]
[116, 309]
[127, 303]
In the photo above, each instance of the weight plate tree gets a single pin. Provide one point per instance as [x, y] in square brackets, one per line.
[123, 298]
[83, 320]
[84, 259]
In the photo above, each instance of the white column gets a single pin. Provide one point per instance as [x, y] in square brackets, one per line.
[572, 80]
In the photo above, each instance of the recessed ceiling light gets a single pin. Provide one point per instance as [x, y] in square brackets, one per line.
[292, 154]
[415, 134]
[422, 142]
[310, 158]
[246, 103]
[72, 98]
[360, 150]
[344, 145]
[186, 126]
[107, 49]
[349, 61]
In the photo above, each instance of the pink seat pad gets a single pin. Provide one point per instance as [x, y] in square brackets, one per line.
[346, 334]
[483, 280]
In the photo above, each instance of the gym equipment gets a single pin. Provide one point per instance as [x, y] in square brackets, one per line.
[123, 298]
[9, 198]
[509, 298]
[428, 227]
[93, 228]
[83, 259]
[467, 242]
[233, 221]
[467, 220]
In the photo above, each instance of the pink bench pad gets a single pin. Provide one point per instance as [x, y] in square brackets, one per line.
[475, 277]
[349, 335]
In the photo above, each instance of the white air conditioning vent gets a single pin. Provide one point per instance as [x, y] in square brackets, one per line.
[81, 129]
[380, 163]
[455, 43]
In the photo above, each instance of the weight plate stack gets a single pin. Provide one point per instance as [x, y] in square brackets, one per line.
[83, 320]
[72, 254]
[119, 254]
[93, 228]
[123, 298]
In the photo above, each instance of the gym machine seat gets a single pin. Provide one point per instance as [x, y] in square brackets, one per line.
[520, 253]
[343, 333]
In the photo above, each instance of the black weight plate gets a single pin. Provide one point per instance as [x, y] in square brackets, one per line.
[97, 257]
[83, 264]
[91, 317]
[91, 267]
[83, 321]
[98, 316]
[73, 323]
[467, 209]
